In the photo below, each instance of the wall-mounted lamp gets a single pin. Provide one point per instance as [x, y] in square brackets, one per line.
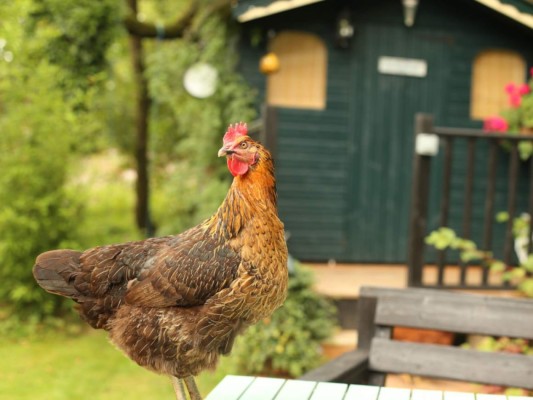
[344, 29]
[409, 12]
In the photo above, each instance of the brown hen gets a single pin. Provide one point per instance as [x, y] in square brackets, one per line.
[174, 304]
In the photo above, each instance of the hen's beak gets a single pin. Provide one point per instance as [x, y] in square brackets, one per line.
[225, 152]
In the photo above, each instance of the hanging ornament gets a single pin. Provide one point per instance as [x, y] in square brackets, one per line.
[200, 80]
[269, 63]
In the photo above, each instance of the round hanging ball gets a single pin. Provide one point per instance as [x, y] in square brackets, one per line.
[200, 80]
[269, 63]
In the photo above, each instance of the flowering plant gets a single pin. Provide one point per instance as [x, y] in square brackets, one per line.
[518, 118]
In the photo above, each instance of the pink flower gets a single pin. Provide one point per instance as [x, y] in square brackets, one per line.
[510, 88]
[523, 89]
[515, 99]
[495, 124]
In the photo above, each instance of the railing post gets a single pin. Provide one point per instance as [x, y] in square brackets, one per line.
[419, 204]
[269, 132]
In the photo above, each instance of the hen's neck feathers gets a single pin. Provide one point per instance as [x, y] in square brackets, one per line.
[250, 195]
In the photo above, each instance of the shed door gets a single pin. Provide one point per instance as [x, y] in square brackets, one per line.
[382, 134]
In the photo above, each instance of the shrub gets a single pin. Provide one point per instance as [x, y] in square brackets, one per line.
[38, 213]
[520, 275]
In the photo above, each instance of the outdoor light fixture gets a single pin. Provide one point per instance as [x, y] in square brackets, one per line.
[409, 12]
[345, 29]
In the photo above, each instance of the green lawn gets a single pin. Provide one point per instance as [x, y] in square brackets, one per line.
[84, 366]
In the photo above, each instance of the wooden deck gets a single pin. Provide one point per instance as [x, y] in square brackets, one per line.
[343, 281]
[250, 388]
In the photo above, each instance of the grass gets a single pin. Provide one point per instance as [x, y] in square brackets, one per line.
[83, 366]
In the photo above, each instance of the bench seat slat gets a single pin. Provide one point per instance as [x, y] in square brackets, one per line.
[515, 370]
[456, 312]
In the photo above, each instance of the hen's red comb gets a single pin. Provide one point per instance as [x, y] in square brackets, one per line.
[234, 131]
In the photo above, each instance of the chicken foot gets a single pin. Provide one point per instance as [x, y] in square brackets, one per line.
[192, 388]
[179, 388]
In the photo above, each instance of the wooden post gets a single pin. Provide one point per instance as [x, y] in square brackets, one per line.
[142, 208]
[419, 205]
[269, 133]
[445, 204]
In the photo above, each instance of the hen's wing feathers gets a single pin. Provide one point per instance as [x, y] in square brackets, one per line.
[183, 270]
[106, 270]
[187, 272]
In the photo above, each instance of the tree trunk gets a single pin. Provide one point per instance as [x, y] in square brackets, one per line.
[142, 210]
[137, 31]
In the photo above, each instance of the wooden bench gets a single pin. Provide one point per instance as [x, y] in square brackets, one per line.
[380, 310]
[258, 388]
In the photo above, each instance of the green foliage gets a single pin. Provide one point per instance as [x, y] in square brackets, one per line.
[109, 199]
[520, 275]
[508, 345]
[502, 344]
[288, 343]
[77, 35]
[41, 131]
[38, 212]
[187, 132]
[520, 116]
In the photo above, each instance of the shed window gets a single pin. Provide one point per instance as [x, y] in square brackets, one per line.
[492, 71]
[301, 81]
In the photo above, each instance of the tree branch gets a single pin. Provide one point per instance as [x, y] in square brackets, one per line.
[172, 30]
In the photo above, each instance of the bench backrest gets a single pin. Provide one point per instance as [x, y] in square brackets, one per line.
[382, 309]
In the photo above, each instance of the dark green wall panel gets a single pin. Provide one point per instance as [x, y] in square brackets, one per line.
[344, 173]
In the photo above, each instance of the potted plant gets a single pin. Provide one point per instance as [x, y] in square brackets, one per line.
[518, 118]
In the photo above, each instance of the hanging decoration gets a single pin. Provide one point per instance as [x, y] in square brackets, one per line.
[200, 80]
[269, 63]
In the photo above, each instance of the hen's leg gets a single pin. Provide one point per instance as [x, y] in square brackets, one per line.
[178, 388]
[192, 388]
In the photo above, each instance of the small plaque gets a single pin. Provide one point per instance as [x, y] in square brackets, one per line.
[403, 66]
[427, 144]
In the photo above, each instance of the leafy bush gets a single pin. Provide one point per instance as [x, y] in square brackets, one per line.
[189, 180]
[520, 275]
[288, 343]
[40, 128]
[77, 35]
[38, 213]
[502, 344]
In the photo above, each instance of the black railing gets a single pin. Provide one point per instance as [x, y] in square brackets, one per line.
[469, 173]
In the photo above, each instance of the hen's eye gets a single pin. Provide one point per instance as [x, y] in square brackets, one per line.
[244, 145]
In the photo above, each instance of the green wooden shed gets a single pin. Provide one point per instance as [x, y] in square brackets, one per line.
[352, 76]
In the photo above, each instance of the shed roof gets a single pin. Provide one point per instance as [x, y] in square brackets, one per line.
[247, 10]
[520, 11]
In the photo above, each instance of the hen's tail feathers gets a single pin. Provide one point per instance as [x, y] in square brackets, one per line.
[55, 271]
